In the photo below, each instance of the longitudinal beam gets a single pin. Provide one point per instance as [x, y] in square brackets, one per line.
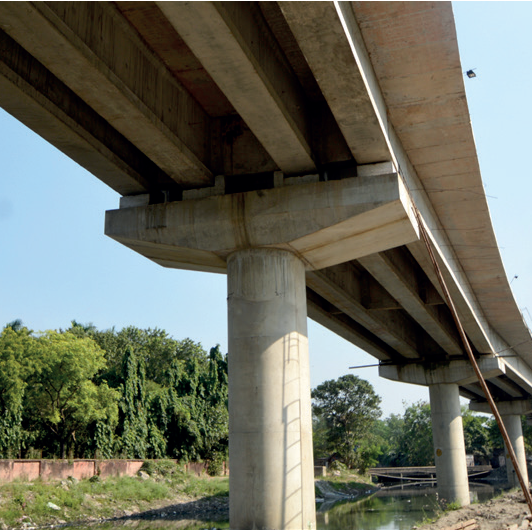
[119, 78]
[243, 58]
[397, 276]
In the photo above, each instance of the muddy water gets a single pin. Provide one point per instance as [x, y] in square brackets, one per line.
[399, 507]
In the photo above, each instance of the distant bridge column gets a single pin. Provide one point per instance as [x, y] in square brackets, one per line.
[512, 423]
[511, 412]
[449, 446]
[447, 429]
[270, 423]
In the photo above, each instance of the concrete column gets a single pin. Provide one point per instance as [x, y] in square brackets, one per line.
[512, 423]
[449, 446]
[270, 421]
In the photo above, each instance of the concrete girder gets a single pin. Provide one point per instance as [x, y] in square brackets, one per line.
[473, 319]
[45, 105]
[323, 223]
[119, 78]
[339, 19]
[507, 386]
[390, 332]
[240, 55]
[392, 271]
[349, 290]
[338, 322]
[337, 71]
[519, 372]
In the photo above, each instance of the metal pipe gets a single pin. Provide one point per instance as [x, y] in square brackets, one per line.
[472, 359]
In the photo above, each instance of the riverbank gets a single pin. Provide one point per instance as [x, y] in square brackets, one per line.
[508, 511]
[161, 489]
[161, 497]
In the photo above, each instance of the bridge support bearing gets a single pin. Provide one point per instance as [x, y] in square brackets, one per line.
[449, 446]
[270, 422]
[512, 423]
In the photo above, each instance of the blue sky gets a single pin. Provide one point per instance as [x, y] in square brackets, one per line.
[56, 264]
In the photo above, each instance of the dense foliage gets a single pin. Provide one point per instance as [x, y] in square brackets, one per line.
[347, 429]
[135, 393]
[131, 393]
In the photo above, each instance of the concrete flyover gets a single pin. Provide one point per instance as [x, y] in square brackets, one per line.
[288, 145]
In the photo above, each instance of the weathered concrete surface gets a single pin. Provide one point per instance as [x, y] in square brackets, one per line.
[270, 420]
[449, 446]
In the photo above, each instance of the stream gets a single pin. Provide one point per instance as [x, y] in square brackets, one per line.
[392, 507]
[397, 507]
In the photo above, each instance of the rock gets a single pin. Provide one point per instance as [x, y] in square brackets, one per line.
[142, 475]
[53, 506]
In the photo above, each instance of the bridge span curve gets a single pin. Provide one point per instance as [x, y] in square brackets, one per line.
[290, 145]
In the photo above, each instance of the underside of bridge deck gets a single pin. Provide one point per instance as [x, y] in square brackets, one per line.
[312, 128]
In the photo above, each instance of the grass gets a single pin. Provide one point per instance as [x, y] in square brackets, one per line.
[348, 482]
[28, 502]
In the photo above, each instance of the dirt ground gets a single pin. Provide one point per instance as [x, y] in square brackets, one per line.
[507, 512]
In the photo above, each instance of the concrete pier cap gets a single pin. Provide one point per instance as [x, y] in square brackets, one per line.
[323, 223]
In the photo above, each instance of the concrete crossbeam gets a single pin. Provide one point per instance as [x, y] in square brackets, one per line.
[323, 223]
[507, 407]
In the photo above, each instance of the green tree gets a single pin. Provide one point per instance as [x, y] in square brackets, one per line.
[390, 432]
[62, 396]
[476, 435]
[350, 407]
[133, 406]
[15, 368]
[416, 446]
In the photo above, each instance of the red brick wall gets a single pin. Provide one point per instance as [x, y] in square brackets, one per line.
[30, 469]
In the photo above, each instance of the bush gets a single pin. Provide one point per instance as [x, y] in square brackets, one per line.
[166, 468]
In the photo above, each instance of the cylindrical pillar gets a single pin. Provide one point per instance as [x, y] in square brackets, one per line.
[449, 446]
[512, 423]
[270, 421]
